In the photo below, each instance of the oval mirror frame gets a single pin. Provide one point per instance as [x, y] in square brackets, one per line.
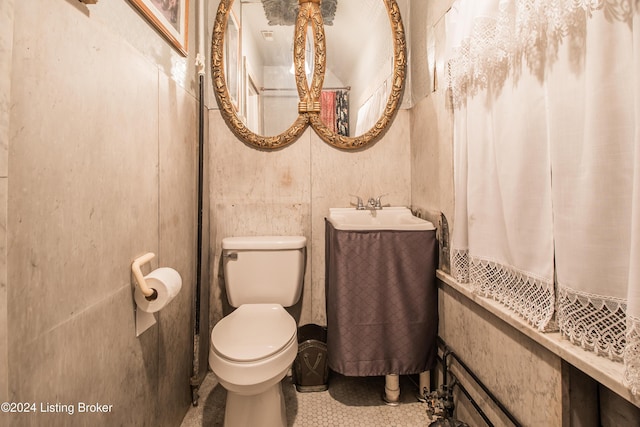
[395, 94]
[308, 107]
[224, 100]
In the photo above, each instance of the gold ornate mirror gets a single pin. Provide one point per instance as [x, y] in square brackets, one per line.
[280, 65]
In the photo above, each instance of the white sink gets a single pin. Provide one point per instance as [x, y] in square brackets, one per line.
[389, 218]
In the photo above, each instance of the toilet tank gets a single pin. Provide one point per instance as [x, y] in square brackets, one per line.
[264, 269]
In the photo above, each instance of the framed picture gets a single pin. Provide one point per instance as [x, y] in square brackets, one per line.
[232, 59]
[170, 17]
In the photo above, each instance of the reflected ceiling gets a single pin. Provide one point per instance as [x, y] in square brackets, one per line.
[285, 12]
[357, 25]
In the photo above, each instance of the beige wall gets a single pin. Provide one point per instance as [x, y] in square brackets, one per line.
[290, 191]
[102, 152]
[431, 119]
[6, 46]
[523, 375]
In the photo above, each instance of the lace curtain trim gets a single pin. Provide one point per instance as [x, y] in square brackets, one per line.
[460, 265]
[632, 356]
[594, 322]
[522, 32]
[528, 296]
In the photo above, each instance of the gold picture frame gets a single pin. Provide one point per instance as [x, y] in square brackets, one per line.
[171, 19]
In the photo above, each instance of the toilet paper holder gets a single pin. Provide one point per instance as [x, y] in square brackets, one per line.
[149, 293]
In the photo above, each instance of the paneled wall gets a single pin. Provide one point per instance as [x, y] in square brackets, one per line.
[102, 135]
[290, 191]
[6, 48]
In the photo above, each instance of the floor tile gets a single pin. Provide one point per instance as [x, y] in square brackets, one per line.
[349, 402]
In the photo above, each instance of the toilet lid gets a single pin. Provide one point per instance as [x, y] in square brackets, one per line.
[253, 332]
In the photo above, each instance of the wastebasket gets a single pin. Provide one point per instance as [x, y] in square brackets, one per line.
[310, 369]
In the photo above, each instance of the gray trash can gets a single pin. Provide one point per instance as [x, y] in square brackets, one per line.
[310, 369]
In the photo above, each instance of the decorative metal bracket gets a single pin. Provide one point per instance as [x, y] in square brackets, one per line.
[309, 15]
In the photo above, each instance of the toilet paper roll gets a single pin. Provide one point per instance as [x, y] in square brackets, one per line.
[166, 281]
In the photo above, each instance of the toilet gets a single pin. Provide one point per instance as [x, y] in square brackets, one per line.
[253, 348]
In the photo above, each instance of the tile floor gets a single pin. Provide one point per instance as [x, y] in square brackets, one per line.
[349, 402]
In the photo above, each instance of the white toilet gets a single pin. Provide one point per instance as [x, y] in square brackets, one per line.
[253, 347]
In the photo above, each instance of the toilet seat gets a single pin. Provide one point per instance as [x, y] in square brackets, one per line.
[253, 332]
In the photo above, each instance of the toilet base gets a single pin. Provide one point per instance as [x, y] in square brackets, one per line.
[265, 409]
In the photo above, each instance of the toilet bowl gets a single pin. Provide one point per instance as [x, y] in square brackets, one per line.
[253, 348]
[251, 351]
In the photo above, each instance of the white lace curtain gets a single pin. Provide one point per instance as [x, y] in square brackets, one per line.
[547, 165]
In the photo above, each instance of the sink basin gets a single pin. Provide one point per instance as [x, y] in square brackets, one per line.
[389, 218]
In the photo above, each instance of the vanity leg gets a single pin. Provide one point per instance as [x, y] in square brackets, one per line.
[391, 389]
[425, 385]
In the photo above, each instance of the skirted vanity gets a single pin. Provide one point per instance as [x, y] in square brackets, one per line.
[381, 292]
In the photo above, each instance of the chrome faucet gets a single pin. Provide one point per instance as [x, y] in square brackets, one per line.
[372, 203]
[375, 203]
[378, 203]
[359, 205]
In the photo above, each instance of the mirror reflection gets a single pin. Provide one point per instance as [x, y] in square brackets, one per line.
[267, 53]
[359, 65]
